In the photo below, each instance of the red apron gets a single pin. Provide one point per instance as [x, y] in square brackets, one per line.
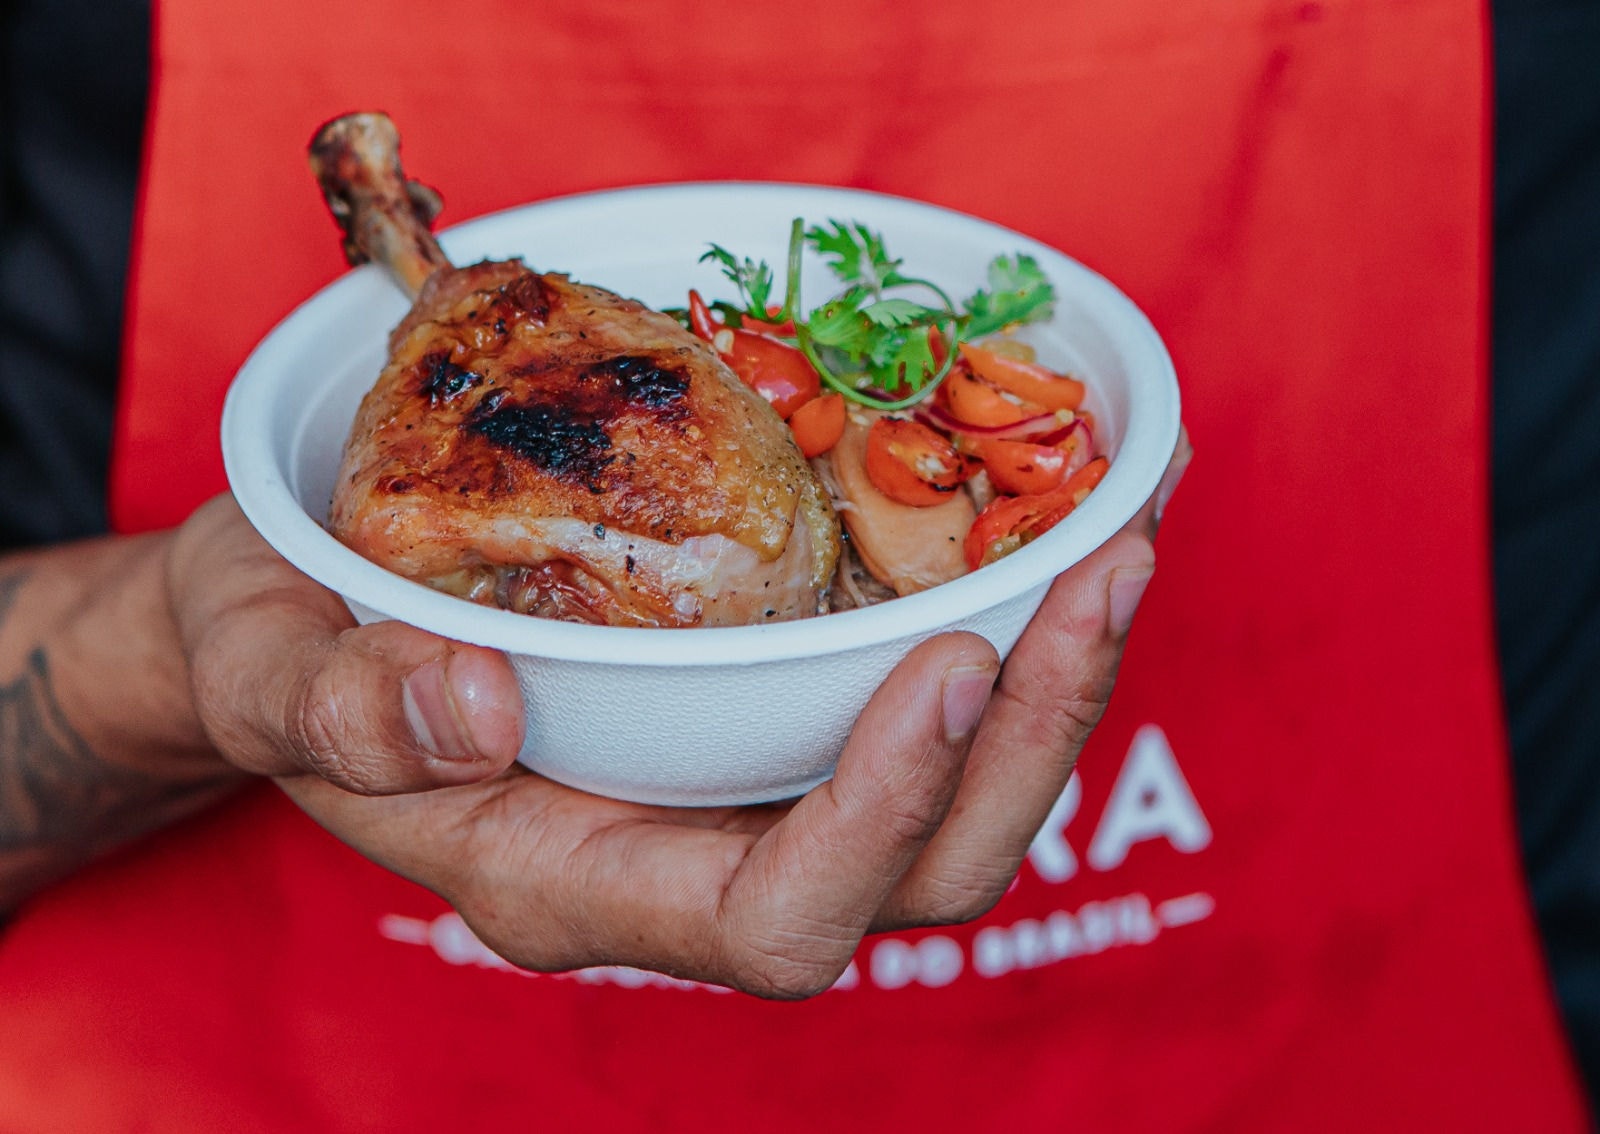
[1284, 895]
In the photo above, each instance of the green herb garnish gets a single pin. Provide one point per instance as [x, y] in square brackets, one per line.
[872, 346]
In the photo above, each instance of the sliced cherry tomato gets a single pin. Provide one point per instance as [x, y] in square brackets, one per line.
[908, 462]
[700, 320]
[767, 326]
[1027, 380]
[818, 424]
[1011, 521]
[776, 370]
[969, 398]
[1021, 468]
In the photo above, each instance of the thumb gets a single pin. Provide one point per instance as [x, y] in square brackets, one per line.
[284, 683]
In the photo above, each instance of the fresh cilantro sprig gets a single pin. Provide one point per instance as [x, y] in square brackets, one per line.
[872, 346]
[1019, 293]
[752, 278]
[857, 255]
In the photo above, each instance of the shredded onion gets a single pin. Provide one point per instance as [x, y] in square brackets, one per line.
[845, 577]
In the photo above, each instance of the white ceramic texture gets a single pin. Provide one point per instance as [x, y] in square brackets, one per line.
[708, 716]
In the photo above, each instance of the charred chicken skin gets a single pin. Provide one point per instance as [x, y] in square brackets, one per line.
[554, 449]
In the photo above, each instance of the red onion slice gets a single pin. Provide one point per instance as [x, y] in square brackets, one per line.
[1060, 435]
[1026, 429]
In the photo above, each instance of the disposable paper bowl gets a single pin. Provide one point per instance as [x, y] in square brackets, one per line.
[695, 716]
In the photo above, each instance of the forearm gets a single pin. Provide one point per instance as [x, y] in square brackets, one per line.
[99, 742]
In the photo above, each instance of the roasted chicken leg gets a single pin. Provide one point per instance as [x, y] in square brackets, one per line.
[555, 449]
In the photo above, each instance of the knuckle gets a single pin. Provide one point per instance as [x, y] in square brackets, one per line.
[1076, 717]
[958, 896]
[1061, 720]
[914, 820]
[794, 966]
[315, 729]
[960, 903]
[266, 711]
[325, 740]
[225, 703]
[779, 979]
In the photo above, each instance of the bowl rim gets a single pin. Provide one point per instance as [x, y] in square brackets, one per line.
[264, 495]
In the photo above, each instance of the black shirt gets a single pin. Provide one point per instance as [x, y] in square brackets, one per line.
[1545, 330]
[72, 95]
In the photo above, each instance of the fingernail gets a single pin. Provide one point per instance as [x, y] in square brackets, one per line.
[966, 692]
[1125, 590]
[431, 712]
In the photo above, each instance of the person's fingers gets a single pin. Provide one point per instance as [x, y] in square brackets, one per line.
[780, 914]
[284, 681]
[822, 874]
[552, 878]
[1051, 693]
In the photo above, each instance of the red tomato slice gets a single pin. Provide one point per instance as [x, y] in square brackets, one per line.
[776, 370]
[1021, 468]
[784, 329]
[700, 320]
[969, 398]
[1011, 521]
[818, 424]
[1027, 380]
[910, 463]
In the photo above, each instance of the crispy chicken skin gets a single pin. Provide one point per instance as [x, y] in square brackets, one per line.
[555, 449]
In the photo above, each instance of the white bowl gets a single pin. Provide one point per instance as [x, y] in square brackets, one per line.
[701, 716]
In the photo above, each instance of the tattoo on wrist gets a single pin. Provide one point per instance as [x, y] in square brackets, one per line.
[60, 802]
[53, 788]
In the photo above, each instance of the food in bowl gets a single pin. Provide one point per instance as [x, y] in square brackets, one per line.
[550, 448]
[710, 715]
